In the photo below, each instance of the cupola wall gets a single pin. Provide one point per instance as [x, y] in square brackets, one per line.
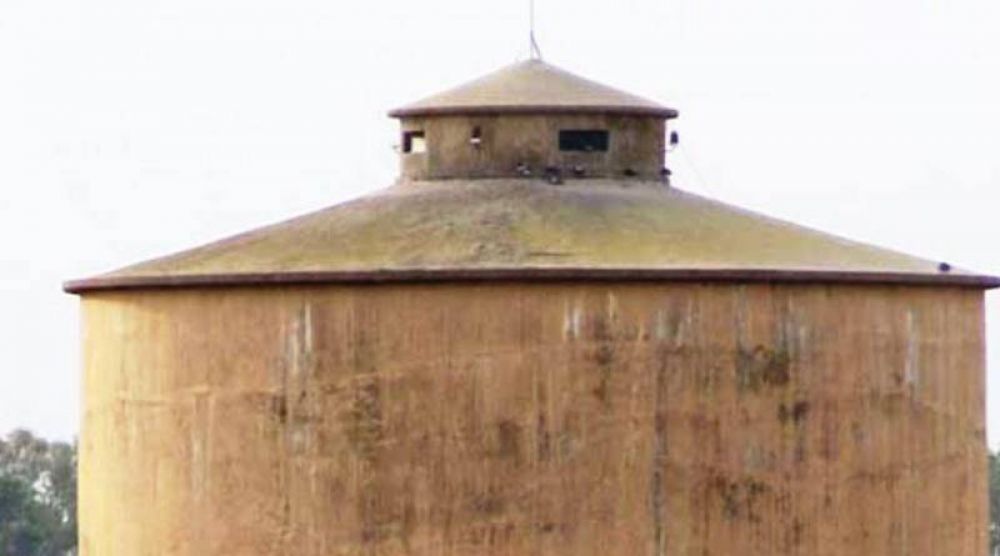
[532, 145]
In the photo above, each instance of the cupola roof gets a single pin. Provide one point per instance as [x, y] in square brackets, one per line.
[533, 86]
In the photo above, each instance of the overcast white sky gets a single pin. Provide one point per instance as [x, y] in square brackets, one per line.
[133, 128]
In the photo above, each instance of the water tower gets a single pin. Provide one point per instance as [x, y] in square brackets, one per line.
[533, 344]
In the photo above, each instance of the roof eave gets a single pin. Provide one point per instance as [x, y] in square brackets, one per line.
[529, 274]
[486, 110]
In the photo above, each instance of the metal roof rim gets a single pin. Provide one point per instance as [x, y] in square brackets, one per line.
[540, 274]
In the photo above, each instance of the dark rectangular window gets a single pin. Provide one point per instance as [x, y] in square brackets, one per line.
[414, 142]
[585, 140]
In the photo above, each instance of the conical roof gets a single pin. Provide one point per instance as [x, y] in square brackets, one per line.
[533, 86]
[527, 229]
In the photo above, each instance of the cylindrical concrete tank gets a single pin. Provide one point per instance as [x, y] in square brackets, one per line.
[533, 366]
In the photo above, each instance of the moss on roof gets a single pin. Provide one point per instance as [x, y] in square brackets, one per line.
[527, 224]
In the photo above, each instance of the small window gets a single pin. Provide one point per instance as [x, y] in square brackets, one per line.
[583, 140]
[414, 142]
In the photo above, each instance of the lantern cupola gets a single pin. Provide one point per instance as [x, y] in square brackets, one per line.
[532, 120]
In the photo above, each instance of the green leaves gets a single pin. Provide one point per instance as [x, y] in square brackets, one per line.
[37, 496]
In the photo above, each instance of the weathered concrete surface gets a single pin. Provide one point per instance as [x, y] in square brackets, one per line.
[636, 147]
[524, 225]
[516, 419]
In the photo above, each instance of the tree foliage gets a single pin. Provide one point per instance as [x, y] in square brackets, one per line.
[37, 496]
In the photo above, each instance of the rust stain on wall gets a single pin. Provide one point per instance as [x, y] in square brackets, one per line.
[546, 419]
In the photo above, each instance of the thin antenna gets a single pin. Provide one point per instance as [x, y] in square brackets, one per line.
[536, 53]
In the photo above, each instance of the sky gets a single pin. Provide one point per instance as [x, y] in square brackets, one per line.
[134, 128]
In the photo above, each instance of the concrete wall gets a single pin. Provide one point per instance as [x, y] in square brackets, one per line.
[550, 420]
[637, 143]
